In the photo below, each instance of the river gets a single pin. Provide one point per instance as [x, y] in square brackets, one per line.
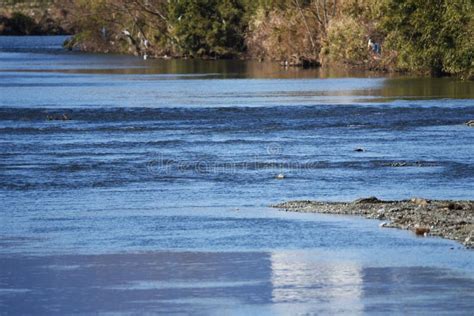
[132, 186]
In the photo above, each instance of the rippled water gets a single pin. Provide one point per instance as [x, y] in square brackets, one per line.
[153, 195]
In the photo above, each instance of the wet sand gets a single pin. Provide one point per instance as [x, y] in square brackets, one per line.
[448, 219]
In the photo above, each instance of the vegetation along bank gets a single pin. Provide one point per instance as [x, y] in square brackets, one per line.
[420, 36]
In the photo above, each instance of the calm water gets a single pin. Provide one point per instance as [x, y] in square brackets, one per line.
[153, 196]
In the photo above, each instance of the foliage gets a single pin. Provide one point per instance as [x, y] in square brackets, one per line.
[426, 36]
[280, 35]
[208, 27]
[123, 26]
[432, 36]
[346, 42]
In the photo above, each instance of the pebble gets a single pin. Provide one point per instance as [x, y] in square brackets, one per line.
[419, 201]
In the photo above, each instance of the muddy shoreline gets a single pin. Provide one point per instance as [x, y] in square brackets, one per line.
[448, 219]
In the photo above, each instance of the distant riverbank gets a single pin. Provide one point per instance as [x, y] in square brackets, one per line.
[367, 35]
[448, 219]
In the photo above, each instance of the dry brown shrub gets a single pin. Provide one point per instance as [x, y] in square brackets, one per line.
[282, 35]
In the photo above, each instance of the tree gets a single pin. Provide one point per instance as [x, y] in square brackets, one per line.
[208, 27]
[324, 11]
[432, 36]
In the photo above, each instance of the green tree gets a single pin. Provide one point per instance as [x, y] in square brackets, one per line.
[208, 27]
[432, 36]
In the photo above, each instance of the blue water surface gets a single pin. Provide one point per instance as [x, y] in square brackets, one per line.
[131, 186]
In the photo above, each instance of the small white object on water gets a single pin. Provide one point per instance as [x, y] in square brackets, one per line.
[280, 176]
[383, 224]
[145, 57]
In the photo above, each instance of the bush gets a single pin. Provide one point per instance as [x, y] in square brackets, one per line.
[208, 27]
[280, 35]
[346, 42]
[430, 36]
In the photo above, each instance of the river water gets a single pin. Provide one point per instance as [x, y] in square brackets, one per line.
[153, 196]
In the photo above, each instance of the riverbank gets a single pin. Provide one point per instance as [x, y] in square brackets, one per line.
[448, 219]
[366, 35]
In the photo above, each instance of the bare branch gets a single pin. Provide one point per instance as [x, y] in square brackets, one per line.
[308, 30]
[325, 10]
[318, 13]
[149, 10]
